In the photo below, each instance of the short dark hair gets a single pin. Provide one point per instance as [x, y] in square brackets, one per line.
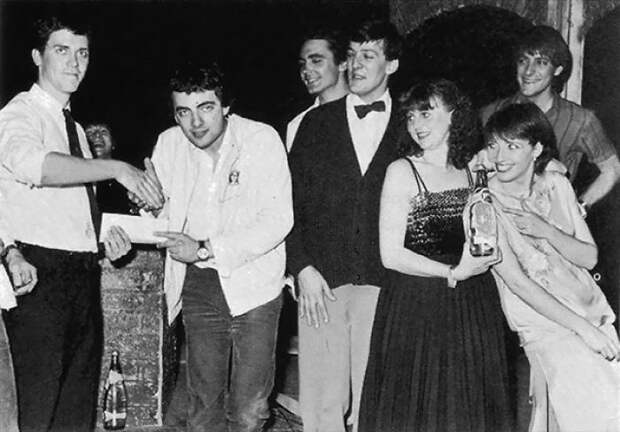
[548, 42]
[190, 78]
[380, 30]
[524, 121]
[336, 40]
[465, 139]
[44, 27]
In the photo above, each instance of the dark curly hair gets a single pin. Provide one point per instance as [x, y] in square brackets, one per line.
[464, 140]
[524, 121]
[190, 77]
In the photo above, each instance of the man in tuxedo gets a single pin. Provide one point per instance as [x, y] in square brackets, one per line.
[338, 162]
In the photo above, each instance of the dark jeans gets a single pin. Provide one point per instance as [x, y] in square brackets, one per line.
[56, 340]
[230, 360]
[8, 397]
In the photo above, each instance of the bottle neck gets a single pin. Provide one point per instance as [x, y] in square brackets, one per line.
[115, 364]
[481, 180]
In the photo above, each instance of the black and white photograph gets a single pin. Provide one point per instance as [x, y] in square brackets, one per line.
[309, 215]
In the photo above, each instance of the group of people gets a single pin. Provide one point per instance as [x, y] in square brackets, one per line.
[400, 327]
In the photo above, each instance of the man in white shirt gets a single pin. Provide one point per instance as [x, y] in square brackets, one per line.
[48, 204]
[322, 68]
[338, 163]
[229, 209]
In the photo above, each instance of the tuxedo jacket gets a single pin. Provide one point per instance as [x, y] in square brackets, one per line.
[336, 208]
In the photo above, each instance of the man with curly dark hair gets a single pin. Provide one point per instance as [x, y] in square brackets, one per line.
[228, 206]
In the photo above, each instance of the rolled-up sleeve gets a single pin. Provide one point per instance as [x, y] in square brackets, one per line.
[22, 147]
[593, 140]
[273, 208]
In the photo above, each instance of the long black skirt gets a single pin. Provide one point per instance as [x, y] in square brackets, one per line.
[437, 358]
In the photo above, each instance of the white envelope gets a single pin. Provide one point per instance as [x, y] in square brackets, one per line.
[139, 229]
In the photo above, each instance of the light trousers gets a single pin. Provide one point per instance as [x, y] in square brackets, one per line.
[333, 358]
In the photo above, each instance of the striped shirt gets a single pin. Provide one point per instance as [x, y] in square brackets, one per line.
[578, 132]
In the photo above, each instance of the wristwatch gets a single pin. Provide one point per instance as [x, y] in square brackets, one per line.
[203, 252]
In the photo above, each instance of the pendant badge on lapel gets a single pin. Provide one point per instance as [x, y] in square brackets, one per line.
[233, 177]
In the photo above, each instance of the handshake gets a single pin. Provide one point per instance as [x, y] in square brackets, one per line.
[146, 192]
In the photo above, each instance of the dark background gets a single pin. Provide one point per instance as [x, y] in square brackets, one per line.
[136, 44]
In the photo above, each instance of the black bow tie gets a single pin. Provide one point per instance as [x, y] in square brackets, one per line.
[363, 110]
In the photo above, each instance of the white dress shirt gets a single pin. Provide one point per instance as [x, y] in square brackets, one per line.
[248, 210]
[367, 133]
[31, 126]
[293, 125]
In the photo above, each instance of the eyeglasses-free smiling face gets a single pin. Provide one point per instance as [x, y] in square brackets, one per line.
[317, 66]
[513, 158]
[535, 74]
[62, 64]
[368, 69]
[430, 128]
[201, 116]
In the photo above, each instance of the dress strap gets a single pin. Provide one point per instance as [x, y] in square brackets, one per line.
[418, 178]
[470, 178]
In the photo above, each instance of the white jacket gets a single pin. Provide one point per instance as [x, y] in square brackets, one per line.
[255, 212]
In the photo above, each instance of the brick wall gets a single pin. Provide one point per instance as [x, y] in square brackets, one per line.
[135, 325]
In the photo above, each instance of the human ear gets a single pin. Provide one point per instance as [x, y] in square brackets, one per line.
[392, 66]
[538, 148]
[558, 70]
[36, 57]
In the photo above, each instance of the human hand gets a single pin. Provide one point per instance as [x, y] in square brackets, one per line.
[312, 292]
[143, 189]
[23, 274]
[470, 265]
[181, 247]
[600, 342]
[528, 222]
[116, 243]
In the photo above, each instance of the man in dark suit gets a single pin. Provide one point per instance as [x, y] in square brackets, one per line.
[338, 162]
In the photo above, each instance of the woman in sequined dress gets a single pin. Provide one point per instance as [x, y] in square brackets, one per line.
[437, 359]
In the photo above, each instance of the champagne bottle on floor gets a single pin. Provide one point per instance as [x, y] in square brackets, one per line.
[115, 397]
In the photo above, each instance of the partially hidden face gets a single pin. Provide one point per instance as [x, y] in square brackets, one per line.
[201, 116]
[513, 158]
[63, 63]
[317, 66]
[535, 74]
[100, 141]
[430, 128]
[368, 69]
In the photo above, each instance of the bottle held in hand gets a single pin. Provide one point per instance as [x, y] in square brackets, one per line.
[115, 397]
[482, 219]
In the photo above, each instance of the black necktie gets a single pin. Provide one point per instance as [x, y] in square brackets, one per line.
[74, 148]
[363, 110]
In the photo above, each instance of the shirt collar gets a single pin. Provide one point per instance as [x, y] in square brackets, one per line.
[45, 99]
[519, 98]
[386, 98]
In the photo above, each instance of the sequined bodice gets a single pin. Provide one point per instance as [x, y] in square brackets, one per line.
[435, 223]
